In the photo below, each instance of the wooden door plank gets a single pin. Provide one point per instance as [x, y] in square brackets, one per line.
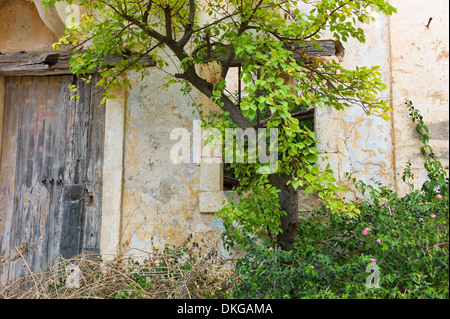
[22, 211]
[76, 139]
[94, 172]
[7, 173]
[53, 119]
[72, 211]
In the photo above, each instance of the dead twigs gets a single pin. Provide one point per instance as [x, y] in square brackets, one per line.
[183, 272]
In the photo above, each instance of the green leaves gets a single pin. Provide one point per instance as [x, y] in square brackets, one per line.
[256, 213]
[279, 81]
[437, 184]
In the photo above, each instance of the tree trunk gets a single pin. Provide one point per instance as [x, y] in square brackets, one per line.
[288, 199]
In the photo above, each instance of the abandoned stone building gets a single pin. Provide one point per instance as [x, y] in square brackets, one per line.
[75, 177]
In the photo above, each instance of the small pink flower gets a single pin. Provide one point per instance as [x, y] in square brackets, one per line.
[379, 240]
[439, 196]
[365, 231]
[433, 216]
[373, 261]
[371, 179]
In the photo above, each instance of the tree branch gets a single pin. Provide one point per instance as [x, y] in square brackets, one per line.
[215, 22]
[139, 58]
[143, 25]
[242, 29]
[168, 18]
[189, 28]
[147, 11]
[225, 103]
[325, 21]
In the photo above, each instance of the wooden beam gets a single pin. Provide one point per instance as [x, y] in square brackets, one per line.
[47, 63]
[230, 182]
[304, 115]
[34, 63]
[328, 48]
[58, 62]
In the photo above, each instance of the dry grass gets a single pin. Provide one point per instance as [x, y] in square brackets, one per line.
[185, 272]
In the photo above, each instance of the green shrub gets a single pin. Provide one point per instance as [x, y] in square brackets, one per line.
[406, 237]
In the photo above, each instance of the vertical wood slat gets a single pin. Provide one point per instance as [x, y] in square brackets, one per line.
[2, 104]
[54, 122]
[22, 226]
[75, 173]
[94, 171]
[7, 172]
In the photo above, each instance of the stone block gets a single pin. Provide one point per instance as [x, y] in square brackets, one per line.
[210, 176]
[211, 202]
[326, 130]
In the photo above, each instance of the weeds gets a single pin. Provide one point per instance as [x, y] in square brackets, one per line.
[183, 272]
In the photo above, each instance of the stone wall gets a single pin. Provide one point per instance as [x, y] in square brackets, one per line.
[414, 63]
[149, 201]
[420, 73]
[161, 199]
[355, 143]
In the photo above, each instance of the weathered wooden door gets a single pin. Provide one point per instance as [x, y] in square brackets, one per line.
[50, 173]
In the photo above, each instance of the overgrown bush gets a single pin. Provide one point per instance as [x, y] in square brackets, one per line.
[408, 240]
[405, 237]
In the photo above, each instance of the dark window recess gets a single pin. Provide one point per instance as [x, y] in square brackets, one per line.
[229, 179]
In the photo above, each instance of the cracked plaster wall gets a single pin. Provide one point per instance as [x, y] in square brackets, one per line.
[414, 64]
[162, 201]
[420, 73]
[354, 142]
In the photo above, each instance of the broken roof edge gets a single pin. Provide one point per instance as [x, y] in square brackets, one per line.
[43, 63]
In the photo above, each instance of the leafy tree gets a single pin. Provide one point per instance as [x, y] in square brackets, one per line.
[268, 37]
